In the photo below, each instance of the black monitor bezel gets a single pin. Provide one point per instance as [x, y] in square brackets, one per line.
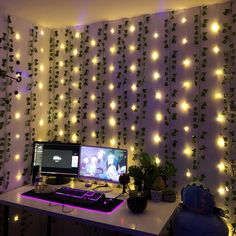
[57, 173]
[96, 178]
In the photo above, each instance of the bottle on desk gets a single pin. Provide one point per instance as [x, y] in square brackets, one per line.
[38, 183]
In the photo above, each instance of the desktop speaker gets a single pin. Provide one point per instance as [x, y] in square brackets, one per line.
[35, 172]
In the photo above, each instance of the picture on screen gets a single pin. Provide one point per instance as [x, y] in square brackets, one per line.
[102, 163]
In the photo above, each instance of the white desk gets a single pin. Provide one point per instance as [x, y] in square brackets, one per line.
[151, 222]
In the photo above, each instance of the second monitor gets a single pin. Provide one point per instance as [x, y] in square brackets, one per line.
[102, 163]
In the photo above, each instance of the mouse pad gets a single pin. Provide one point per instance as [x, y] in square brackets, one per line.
[104, 205]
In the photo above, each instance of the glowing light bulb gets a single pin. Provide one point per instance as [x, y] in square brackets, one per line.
[134, 87]
[184, 106]
[41, 104]
[159, 116]
[42, 32]
[112, 121]
[157, 160]
[157, 138]
[18, 176]
[133, 127]
[188, 173]
[16, 218]
[132, 28]
[61, 132]
[17, 115]
[76, 69]
[215, 27]
[186, 129]
[112, 30]
[221, 166]
[158, 95]
[94, 78]
[186, 62]
[18, 96]
[220, 118]
[155, 35]
[77, 35]
[17, 136]
[112, 50]
[93, 97]
[113, 141]
[218, 95]
[154, 55]
[17, 36]
[41, 122]
[134, 107]
[111, 68]
[75, 51]
[74, 138]
[219, 72]
[93, 43]
[41, 50]
[220, 142]
[221, 191]
[60, 114]
[133, 67]
[62, 81]
[40, 85]
[93, 134]
[17, 55]
[62, 46]
[74, 119]
[132, 48]
[132, 149]
[188, 151]
[95, 60]
[216, 49]
[93, 115]
[61, 63]
[111, 86]
[41, 67]
[184, 41]
[17, 156]
[113, 105]
[183, 20]
[187, 84]
[156, 75]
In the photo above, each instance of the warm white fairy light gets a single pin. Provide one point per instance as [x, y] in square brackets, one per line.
[218, 95]
[93, 97]
[61, 63]
[17, 55]
[187, 84]
[41, 50]
[183, 20]
[41, 104]
[134, 107]
[93, 115]
[111, 68]
[154, 55]
[94, 78]
[73, 119]
[134, 87]
[184, 41]
[132, 28]
[133, 67]
[93, 42]
[18, 96]
[155, 35]
[74, 84]
[17, 157]
[158, 95]
[74, 138]
[112, 49]
[95, 60]
[16, 218]
[75, 52]
[62, 81]
[159, 117]
[220, 141]
[112, 121]
[62, 46]
[156, 138]
[60, 114]
[40, 85]
[186, 62]
[188, 173]
[111, 86]
[221, 166]
[132, 48]
[156, 75]
[93, 134]
[17, 36]
[215, 27]
[61, 132]
[17, 136]
[112, 30]
[221, 190]
[220, 118]
[219, 72]
[17, 115]
[41, 67]
[77, 34]
[113, 105]
[216, 49]
[184, 106]
[188, 151]
[132, 149]
[157, 160]
[18, 176]
[41, 122]
[113, 141]
[186, 128]
[133, 127]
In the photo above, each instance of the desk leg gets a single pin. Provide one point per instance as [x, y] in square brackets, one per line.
[49, 223]
[5, 220]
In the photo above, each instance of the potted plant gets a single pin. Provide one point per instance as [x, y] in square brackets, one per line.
[156, 192]
[169, 195]
[137, 174]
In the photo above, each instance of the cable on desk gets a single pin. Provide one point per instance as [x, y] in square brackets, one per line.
[64, 211]
[52, 205]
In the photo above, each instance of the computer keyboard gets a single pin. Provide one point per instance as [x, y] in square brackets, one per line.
[85, 197]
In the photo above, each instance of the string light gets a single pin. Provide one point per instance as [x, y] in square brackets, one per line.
[112, 30]
[74, 119]
[154, 55]
[113, 141]
[188, 173]
[16, 218]
[41, 104]
[158, 95]
[61, 132]
[60, 114]
[221, 191]
[93, 134]
[184, 41]
[41, 50]
[17, 157]
[155, 35]
[157, 160]
[221, 166]
[133, 127]
[184, 106]
[74, 138]
[17, 36]
[134, 87]
[18, 176]
[41, 67]
[17, 55]
[75, 52]
[93, 97]
[92, 115]
[94, 78]
[187, 151]
[186, 62]
[186, 129]
[95, 60]
[132, 48]
[215, 27]
[219, 72]
[61, 63]
[218, 95]
[93, 43]
[111, 86]
[112, 121]
[40, 85]
[76, 69]
[17, 115]
[113, 105]
[133, 67]
[17, 136]
[187, 84]
[132, 149]
[157, 138]
[112, 50]
[156, 75]
[134, 107]
[18, 96]
[62, 46]
[41, 122]
[216, 49]
[111, 68]
[77, 34]
[220, 142]
[159, 116]
[220, 118]
[132, 28]
[183, 20]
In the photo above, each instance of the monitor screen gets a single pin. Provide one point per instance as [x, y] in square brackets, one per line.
[55, 158]
[102, 163]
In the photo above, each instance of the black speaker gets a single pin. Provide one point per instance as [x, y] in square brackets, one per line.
[35, 171]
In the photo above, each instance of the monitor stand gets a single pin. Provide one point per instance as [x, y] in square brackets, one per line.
[58, 180]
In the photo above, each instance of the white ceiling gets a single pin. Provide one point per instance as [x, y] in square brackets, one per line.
[61, 13]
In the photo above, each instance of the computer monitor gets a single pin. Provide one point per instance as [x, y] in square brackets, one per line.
[102, 163]
[58, 160]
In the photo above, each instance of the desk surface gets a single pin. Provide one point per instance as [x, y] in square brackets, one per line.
[151, 222]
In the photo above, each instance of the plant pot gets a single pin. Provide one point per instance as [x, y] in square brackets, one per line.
[156, 196]
[169, 198]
